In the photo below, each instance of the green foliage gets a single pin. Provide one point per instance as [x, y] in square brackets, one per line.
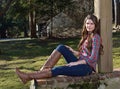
[17, 14]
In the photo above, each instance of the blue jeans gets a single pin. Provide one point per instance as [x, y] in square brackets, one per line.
[77, 70]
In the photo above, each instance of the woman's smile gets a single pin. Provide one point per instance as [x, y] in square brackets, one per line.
[90, 26]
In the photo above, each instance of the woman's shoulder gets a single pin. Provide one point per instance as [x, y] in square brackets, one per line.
[96, 36]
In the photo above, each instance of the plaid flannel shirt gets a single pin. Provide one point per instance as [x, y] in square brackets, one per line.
[91, 58]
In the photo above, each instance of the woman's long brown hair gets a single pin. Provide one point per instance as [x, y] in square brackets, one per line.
[86, 35]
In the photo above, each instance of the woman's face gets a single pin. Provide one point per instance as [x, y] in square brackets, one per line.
[90, 26]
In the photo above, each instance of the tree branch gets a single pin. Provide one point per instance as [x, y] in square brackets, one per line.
[5, 9]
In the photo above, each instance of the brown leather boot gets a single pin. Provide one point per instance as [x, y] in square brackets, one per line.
[52, 60]
[25, 77]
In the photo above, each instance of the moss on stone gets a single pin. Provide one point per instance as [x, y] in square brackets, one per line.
[85, 85]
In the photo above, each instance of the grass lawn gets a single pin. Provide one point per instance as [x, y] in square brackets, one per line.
[30, 54]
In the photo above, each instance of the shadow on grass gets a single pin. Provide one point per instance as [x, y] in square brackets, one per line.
[5, 66]
[28, 49]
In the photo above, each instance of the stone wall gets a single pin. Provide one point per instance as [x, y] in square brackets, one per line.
[94, 81]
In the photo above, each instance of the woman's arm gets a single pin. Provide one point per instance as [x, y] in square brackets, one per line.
[95, 51]
[77, 53]
[76, 63]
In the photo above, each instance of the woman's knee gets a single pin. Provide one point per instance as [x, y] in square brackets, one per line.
[60, 47]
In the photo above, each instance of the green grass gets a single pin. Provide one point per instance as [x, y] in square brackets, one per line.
[30, 54]
[116, 50]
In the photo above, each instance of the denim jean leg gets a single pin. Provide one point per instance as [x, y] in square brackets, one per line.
[78, 70]
[67, 54]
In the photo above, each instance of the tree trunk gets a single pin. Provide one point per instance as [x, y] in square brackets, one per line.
[7, 6]
[32, 21]
[2, 14]
[117, 12]
[26, 32]
[32, 24]
[3, 27]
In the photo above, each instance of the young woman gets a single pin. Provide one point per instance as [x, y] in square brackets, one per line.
[79, 63]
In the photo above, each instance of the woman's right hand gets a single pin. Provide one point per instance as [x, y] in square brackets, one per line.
[77, 53]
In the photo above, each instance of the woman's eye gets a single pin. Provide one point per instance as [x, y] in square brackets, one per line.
[90, 23]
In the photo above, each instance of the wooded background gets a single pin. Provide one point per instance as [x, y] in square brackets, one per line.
[18, 18]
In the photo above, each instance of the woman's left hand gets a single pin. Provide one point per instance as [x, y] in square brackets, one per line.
[76, 63]
[72, 64]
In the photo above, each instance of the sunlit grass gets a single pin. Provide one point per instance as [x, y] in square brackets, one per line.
[116, 50]
[28, 55]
